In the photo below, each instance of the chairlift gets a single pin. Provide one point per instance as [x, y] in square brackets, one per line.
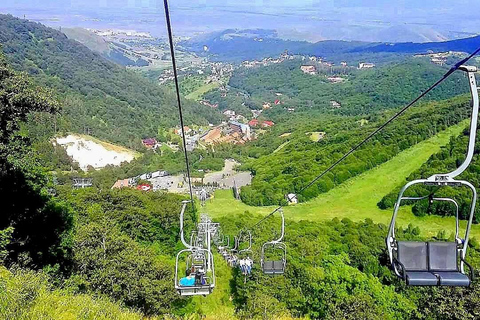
[193, 238]
[275, 267]
[235, 247]
[438, 263]
[224, 244]
[200, 280]
[249, 248]
[245, 262]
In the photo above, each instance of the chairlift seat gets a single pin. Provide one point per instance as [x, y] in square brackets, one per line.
[430, 264]
[443, 260]
[454, 279]
[420, 278]
[273, 267]
[195, 290]
[413, 259]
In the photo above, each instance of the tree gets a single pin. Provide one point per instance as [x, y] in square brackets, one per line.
[40, 223]
[107, 261]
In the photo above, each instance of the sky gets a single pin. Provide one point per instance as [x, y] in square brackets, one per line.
[152, 4]
[312, 20]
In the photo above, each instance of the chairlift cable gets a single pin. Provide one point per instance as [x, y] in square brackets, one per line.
[371, 135]
[177, 89]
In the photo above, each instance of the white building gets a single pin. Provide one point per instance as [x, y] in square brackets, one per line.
[366, 65]
[292, 198]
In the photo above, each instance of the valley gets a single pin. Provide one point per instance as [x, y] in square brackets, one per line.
[357, 198]
[93, 170]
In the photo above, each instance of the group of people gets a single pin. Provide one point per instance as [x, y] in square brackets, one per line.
[246, 266]
[230, 258]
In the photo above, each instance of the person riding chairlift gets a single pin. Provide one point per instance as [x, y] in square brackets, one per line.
[242, 266]
[200, 277]
[248, 265]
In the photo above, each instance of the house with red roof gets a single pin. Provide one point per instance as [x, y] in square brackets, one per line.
[144, 187]
[149, 143]
[253, 123]
[267, 124]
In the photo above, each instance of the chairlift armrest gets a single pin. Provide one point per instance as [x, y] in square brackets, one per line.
[469, 267]
[395, 261]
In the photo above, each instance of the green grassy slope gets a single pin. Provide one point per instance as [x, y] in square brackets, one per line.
[27, 295]
[357, 198]
[199, 92]
[218, 305]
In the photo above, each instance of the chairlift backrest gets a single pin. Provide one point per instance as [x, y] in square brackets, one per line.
[443, 256]
[413, 255]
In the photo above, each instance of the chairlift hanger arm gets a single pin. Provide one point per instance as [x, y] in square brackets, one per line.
[182, 213]
[470, 70]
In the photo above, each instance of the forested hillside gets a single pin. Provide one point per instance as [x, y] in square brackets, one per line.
[98, 97]
[363, 92]
[298, 162]
[338, 270]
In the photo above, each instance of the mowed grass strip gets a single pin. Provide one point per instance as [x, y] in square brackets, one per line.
[357, 198]
[198, 93]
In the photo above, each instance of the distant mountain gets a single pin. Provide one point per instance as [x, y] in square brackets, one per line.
[239, 45]
[100, 45]
[98, 96]
[464, 45]
[88, 38]
[408, 33]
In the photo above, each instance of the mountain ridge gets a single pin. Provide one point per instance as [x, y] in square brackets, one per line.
[97, 95]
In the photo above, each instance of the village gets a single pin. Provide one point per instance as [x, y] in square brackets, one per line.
[440, 58]
[234, 131]
[161, 180]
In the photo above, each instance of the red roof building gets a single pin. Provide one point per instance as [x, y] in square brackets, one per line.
[144, 187]
[267, 124]
[277, 102]
[149, 143]
[253, 123]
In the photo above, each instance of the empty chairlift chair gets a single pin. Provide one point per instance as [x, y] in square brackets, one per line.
[436, 262]
[248, 250]
[275, 266]
[200, 280]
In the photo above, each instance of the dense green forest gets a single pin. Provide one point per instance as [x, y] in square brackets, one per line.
[448, 159]
[338, 270]
[98, 96]
[364, 91]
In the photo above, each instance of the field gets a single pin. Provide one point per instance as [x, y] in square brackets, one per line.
[88, 151]
[357, 198]
[198, 93]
